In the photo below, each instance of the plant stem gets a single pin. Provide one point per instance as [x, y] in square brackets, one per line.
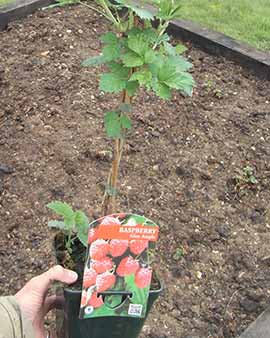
[162, 28]
[96, 10]
[109, 200]
[108, 12]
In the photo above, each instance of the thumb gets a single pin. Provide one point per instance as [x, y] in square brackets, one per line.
[57, 273]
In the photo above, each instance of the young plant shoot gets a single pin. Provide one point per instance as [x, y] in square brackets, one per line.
[137, 55]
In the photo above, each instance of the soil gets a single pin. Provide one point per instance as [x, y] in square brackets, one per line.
[180, 166]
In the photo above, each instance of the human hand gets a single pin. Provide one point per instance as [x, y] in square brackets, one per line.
[33, 300]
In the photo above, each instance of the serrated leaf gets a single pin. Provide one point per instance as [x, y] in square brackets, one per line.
[131, 59]
[149, 56]
[112, 83]
[112, 48]
[112, 124]
[93, 61]
[111, 52]
[137, 44]
[81, 226]
[142, 13]
[58, 225]
[132, 87]
[180, 63]
[125, 122]
[139, 11]
[109, 38]
[163, 91]
[61, 208]
[81, 218]
[82, 234]
[180, 49]
[143, 76]
[183, 81]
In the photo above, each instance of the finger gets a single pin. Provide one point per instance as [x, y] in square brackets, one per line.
[53, 302]
[57, 273]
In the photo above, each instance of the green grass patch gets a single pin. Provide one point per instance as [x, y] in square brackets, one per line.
[5, 2]
[245, 20]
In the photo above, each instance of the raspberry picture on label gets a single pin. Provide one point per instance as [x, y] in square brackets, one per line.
[117, 264]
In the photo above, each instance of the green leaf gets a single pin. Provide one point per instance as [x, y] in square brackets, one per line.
[93, 61]
[132, 87]
[131, 59]
[180, 49]
[163, 91]
[180, 63]
[174, 51]
[149, 56]
[125, 122]
[170, 75]
[57, 224]
[109, 38]
[169, 9]
[139, 11]
[111, 83]
[137, 44]
[111, 52]
[142, 13]
[115, 81]
[81, 226]
[112, 48]
[143, 76]
[112, 124]
[81, 218]
[61, 208]
[182, 81]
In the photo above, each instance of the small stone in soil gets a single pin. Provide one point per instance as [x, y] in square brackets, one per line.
[5, 169]
[223, 230]
[182, 172]
[249, 305]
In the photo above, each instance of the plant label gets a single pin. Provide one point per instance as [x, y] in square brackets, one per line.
[117, 274]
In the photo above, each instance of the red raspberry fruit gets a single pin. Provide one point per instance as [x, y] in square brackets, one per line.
[105, 281]
[110, 220]
[92, 235]
[143, 277]
[95, 301]
[137, 246]
[89, 278]
[99, 249]
[127, 266]
[103, 265]
[118, 247]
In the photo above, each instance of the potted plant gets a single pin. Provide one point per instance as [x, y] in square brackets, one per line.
[138, 55]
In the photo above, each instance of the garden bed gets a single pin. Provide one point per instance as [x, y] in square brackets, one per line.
[179, 169]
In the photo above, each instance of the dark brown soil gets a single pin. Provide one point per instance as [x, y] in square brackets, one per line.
[179, 169]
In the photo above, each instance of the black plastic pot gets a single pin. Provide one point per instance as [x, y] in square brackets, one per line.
[105, 327]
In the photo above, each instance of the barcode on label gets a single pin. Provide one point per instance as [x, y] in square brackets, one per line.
[135, 309]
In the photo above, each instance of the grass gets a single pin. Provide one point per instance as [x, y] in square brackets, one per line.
[245, 20]
[5, 2]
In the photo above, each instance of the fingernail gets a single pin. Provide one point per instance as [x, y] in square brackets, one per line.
[73, 274]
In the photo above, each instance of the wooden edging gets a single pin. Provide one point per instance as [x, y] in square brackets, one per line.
[260, 328]
[210, 41]
[20, 9]
[221, 45]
